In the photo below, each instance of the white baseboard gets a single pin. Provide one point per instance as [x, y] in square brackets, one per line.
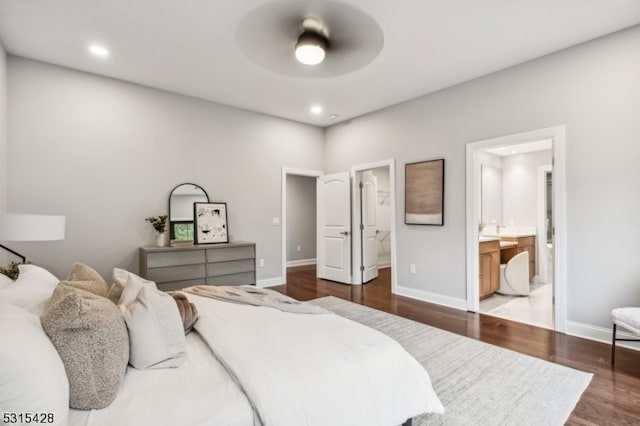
[384, 264]
[301, 262]
[438, 299]
[269, 282]
[601, 334]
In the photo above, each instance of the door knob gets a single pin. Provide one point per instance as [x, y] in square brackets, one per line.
[345, 232]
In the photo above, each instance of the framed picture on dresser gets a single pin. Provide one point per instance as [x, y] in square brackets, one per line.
[210, 223]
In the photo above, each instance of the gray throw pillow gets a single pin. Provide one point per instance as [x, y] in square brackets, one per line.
[90, 335]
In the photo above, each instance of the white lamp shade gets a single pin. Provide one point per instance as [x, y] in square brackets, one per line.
[31, 227]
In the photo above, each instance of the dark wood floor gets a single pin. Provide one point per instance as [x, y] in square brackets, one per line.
[612, 398]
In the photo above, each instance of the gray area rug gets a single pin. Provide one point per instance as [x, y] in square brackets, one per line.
[478, 383]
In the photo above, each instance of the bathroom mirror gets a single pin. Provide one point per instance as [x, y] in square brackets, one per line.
[181, 202]
[490, 196]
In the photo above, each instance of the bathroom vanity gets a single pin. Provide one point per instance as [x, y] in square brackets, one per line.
[489, 267]
[494, 250]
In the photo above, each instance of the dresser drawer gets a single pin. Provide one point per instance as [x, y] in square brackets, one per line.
[174, 258]
[230, 267]
[224, 254]
[244, 278]
[177, 273]
[177, 285]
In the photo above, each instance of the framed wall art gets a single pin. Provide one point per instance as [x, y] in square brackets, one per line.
[210, 223]
[424, 193]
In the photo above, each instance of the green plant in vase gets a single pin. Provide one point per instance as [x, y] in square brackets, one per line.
[159, 223]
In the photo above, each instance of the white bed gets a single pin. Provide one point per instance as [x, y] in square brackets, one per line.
[243, 366]
[199, 392]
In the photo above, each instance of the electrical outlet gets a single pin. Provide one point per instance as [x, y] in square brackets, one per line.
[299, 249]
[412, 268]
[261, 263]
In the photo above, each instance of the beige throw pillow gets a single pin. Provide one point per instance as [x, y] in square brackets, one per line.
[86, 278]
[156, 336]
[90, 335]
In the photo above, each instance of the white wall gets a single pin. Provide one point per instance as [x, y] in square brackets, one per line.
[3, 140]
[593, 89]
[520, 187]
[490, 191]
[106, 154]
[301, 217]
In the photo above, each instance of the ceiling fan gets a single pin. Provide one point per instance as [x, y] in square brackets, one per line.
[339, 38]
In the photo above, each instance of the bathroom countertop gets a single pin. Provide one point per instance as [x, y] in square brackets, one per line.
[510, 234]
[486, 238]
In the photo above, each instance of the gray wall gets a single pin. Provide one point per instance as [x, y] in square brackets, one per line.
[520, 187]
[106, 154]
[594, 90]
[3, 140]
[301, 217]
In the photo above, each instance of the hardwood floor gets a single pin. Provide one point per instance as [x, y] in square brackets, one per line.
[612, 398]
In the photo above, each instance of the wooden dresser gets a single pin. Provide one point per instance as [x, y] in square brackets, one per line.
[489, 268]
[172, 268]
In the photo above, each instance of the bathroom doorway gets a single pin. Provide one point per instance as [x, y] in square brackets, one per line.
[515, 200]
[511, 202]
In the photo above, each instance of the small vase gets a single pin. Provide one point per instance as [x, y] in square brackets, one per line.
[161, 239]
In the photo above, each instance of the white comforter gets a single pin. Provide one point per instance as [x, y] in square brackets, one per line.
[300, 369]
[198, 393]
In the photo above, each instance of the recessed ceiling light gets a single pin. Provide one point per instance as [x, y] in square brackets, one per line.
[99, 51]
[333, 116]
[316, 109]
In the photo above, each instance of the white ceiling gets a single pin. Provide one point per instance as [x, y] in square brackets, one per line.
[191, 47]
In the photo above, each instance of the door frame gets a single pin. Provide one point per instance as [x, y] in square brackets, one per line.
[283, 211]
[356, 252]
[557, 134]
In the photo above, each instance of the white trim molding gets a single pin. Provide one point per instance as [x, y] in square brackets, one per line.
[270, 282]
[301, 262]
[601, 334]
[426, 296]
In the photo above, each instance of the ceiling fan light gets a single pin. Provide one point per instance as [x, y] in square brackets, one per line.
[310, 48]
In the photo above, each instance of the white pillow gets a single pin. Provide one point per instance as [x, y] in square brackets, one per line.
[156, 335]
[5, 281]
[31, 290]
[123, 279]
[33, 376]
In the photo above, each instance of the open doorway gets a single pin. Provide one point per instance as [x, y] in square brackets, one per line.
[515, 217]
[382, 241]
[493, 224]
[384, 201]
[299, 222]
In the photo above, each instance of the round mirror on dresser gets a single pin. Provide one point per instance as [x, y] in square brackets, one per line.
[181, 202]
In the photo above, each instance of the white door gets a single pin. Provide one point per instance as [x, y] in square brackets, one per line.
[334, 228]
[368, 226]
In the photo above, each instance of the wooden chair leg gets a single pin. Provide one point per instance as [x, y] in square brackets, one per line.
[613, 345]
